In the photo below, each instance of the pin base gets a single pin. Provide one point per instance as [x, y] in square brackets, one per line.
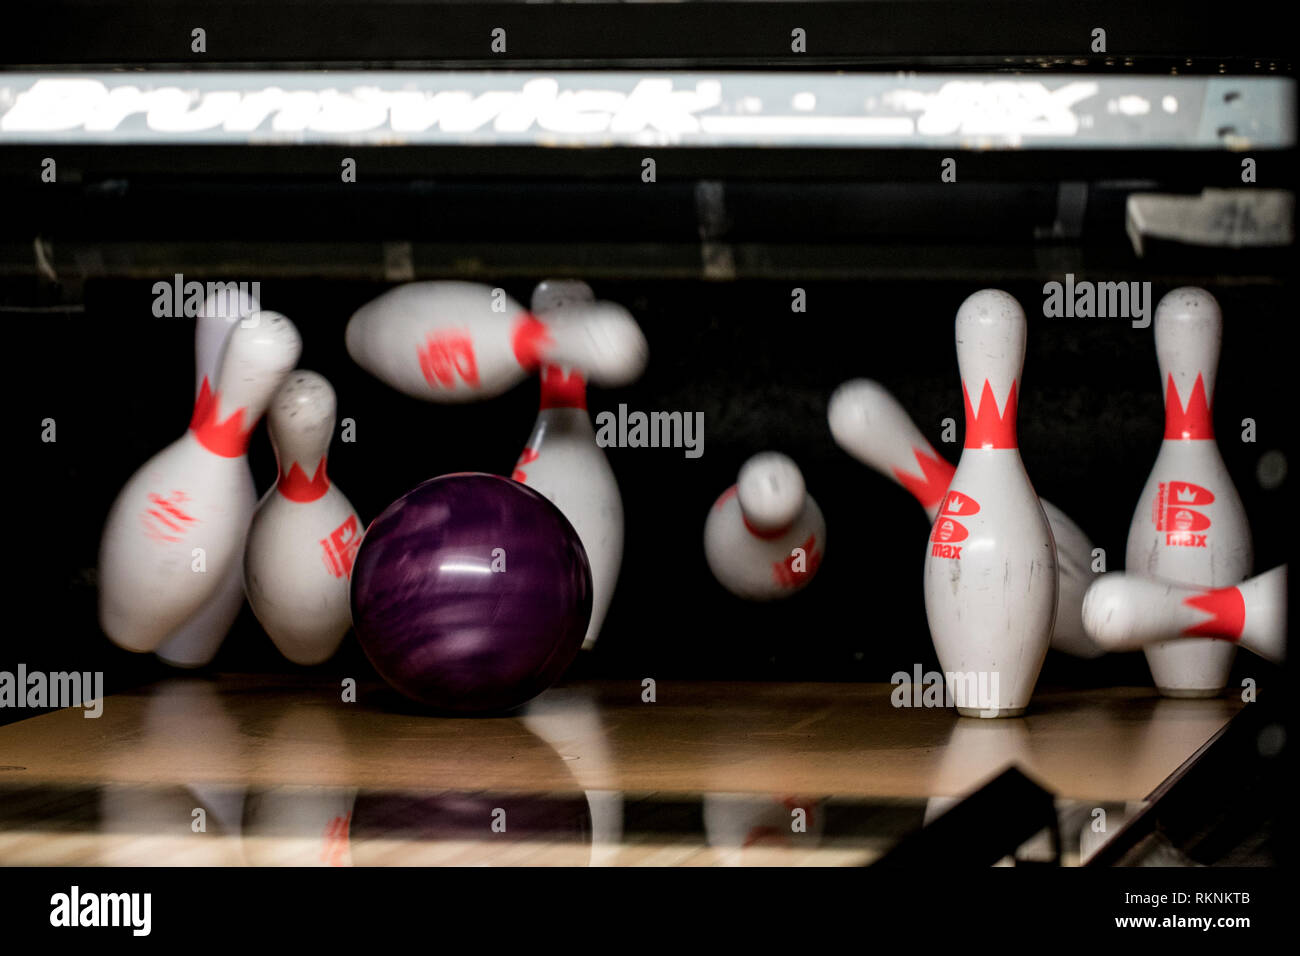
[182, 664]
[991, 712]
[1190, 693]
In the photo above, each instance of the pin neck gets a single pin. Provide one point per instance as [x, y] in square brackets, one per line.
[1190, 422]
[227, 438]
[1227, 610]
[296, 486]
[561, 389]
[766, 535]
[989, 428]
[931, 485]
[528, 339]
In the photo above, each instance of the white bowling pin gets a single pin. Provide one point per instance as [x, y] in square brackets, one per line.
[1189, 526]
[765, 537]
[990, 563]
[177, 525]
[1126, 611]
[871, 425]
[564, 463]
[305, 533]
[460, 341]
[197, 641]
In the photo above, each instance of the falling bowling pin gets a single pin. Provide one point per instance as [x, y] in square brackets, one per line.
[765, 537]
[1189, 526]
[197, 641]
[177, 525]
[461, 341]
[564, 463]
[990, 563]
[305, 533]
[1126, 611]
[870, 424]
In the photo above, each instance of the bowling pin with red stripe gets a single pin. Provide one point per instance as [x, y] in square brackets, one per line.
[564, 463]
[197, 641]
[461, 341]
[1189, 527]
[765, 536]
[177, 525]
[990, 564]
[305, 533]
[1126, 611]
[870, 424]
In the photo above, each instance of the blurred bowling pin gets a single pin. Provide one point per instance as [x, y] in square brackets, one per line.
[990, 564]
[765, 537]
[564, 463]
[298, 826]
[305, 533]
[197, 641]
[870, 424]
[178, 524]
[1127, 611]
[460, 341]
[297, 822]
[761, 828]
[1189, 526]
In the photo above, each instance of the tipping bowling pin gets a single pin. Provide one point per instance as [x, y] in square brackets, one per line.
[197, 641]
[1189, 526]
[305, 533]
[870, 424]
[564, 463]
[990, 564]
[1126, 611]
[765, 537]
[461, 341]
[191, 496]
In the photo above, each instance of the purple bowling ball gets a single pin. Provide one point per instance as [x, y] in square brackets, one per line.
[439, 618]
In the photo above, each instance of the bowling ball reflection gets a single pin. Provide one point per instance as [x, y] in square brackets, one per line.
[471, 829]
[471, 593]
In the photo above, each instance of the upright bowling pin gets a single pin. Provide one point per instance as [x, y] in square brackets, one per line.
[177, 525]
[990, 565]
[1126, 611]
[305, 533]
[870, 424]
[1189, 526]
[564, 463]
[460, 341]
[197, 641]
[765, 537]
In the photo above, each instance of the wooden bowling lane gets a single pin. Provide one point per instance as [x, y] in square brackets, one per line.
[588, 774]
[825, 739]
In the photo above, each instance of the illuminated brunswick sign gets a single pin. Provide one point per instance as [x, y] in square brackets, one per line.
[660, 109]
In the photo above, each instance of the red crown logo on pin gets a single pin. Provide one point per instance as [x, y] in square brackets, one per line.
[1191, 421]
[296, 486]
[990, 429]
[1227, 610]
[229, 439]
[936, 476]
[528, 339]
[561, 389]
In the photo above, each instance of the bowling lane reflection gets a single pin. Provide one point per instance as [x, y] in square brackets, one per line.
[186, 772]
